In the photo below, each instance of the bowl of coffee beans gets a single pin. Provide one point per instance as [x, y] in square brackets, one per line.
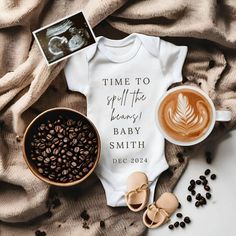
[61, 146]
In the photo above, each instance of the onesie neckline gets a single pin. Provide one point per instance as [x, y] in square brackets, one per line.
[132, 38]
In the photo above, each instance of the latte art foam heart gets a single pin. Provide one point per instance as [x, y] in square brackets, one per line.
[185, 115]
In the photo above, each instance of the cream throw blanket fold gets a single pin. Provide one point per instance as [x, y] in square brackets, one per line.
[28, 86]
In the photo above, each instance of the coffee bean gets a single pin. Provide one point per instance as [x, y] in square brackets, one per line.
[208, 195]
[46, 160]
[207, 188]
[202, 177]
[198, 182]
[48, 150]
[49, 137]
[191, 187]
[203, 201]
[182, 224]
[179, 206]
[68, 153]
[192, 182]
[207, 172]
[180, 159]
[176, 224]
[40, 158]
[64, 172]
[73, 164]
[102, 224]
[193, 192]
[65, 140]
[198, 197]
[179, 215]
[187, 220]
[90, 165]
[197, 203]
[59, 135]
[52, 158]
[171, 227]
[205, 182]
[53, 167]
[84, 215]
[40, 233]
[189, 198]
[213, 176]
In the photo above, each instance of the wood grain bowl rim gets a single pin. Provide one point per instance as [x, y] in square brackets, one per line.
[32, 168]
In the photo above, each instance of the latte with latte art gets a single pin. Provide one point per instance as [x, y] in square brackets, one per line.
[185, 115]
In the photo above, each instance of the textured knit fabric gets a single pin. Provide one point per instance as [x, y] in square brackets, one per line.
[28, 87]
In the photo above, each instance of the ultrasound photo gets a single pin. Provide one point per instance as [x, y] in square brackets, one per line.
[65, 37]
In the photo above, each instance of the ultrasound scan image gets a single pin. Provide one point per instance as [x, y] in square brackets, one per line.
[65, 37]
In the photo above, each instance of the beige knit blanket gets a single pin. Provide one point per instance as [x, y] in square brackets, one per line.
[28, 86]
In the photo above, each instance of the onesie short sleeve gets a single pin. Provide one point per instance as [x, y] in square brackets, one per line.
[172, 58]
[76, 72]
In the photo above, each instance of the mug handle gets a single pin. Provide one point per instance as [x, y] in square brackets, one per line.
[223, 115]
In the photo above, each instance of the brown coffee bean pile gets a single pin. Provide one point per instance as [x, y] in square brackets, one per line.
[64, 150]
[200, 199]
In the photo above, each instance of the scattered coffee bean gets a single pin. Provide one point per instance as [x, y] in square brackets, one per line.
[179, 206]
[182, 224]
[190, 188]
[198, 197]
[102, 224]
[198, 182]
[84, 215]
[171, 227]
[187, 220]
[85, 225]
[207, 188]
[202, 177]
[193, 192]
[208, 195]
[64, 150]
[204, 182]
[189, 198]
[179, 215]
[197, 203]
[213, 176]
[192, 182]
[176, 224]
[40, 233]
[202, 201]
[207, 171]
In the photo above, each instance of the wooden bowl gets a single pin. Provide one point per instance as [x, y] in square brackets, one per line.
[53, 114]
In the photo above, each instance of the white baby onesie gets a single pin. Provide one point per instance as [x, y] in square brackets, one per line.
[123, 81]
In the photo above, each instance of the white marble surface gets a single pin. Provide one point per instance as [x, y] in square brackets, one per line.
[218, 217]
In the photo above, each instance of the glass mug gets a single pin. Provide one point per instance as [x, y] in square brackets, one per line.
[186, 115]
